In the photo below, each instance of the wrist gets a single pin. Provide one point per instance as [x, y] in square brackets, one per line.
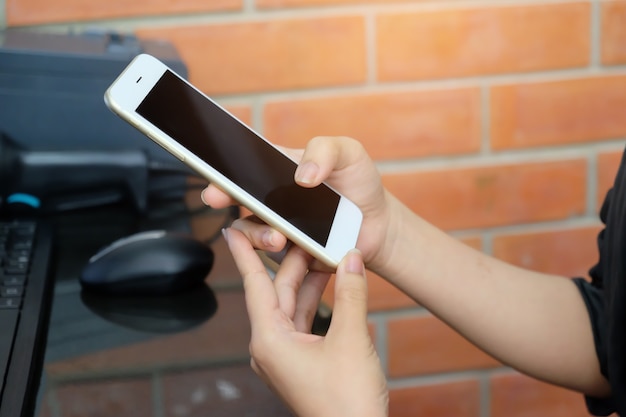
[407, 245]
[390, 230]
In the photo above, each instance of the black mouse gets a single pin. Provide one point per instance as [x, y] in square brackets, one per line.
[148, 263]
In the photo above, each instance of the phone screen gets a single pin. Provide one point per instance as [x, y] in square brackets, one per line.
[239, 154]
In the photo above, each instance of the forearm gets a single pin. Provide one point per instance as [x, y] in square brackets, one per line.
[536, 323]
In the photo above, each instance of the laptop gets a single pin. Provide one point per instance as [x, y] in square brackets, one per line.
[26, 289]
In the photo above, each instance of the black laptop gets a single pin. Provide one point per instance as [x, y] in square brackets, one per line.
[26, 288]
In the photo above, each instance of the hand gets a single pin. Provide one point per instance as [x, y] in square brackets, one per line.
[335, 375]
[343, 164]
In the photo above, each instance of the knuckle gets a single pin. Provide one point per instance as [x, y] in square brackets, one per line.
[249, 276]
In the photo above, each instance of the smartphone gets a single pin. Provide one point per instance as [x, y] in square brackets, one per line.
[222, 149]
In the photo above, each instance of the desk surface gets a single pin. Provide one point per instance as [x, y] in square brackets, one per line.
[143, 359]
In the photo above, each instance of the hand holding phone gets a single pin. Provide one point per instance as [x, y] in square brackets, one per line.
[218, 146]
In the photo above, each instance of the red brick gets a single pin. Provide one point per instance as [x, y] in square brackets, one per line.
[270, 55]
[558, 112]
[459, 399]
[474, 41]
[121, 398]
[301, 3]
[390, 125]
[613, 32]
[31, 12]
[494, 195]
[608, 164]
[563, 252]
[514, 395]
[243, 113]
[425, 345]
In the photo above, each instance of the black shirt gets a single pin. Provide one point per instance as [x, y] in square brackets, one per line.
[605, 298]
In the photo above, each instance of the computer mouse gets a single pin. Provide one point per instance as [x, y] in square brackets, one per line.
[148, 263]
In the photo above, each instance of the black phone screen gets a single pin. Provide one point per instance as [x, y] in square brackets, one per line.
[239, 154]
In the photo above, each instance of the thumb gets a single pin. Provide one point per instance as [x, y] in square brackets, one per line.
[350, 309]
[325, 154]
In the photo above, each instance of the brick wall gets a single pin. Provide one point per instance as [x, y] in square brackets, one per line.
[500, 121]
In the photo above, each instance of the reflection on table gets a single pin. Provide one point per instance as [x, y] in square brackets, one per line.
[184, 355]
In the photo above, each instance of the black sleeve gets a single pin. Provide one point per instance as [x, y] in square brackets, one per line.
[605, 298]
[594, 300]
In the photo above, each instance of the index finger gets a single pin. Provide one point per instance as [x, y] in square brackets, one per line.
[261, 298]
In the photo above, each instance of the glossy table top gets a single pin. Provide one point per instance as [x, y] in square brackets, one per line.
[182, 355]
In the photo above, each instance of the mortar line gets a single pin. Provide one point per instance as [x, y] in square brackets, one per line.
[533, 227]
[249, 6]
[371, 50]
[256, 109]
[444, 377]
[487, 242]
[157, 395]
[485, 119]
[414, 311]
[53, 401]
[543, 154]
[380, 326]
[3, 15]
[595, 34]
[592, 183]
[485, 395]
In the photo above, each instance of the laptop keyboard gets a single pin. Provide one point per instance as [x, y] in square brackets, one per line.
[25, 294]
[16, 243]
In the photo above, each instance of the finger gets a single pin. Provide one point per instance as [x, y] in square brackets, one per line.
[261, 235]
[289, 279]
[277, 258]
[325, 154]
[216, 198]
[308, 300]
[261, 299]
[350, 306]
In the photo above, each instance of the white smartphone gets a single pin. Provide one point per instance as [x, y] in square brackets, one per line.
[199, 132]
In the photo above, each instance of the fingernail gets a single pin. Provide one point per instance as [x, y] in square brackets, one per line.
[354, 262]
[306, 172]
[202, 198]
[268, 238]
[225, 234]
